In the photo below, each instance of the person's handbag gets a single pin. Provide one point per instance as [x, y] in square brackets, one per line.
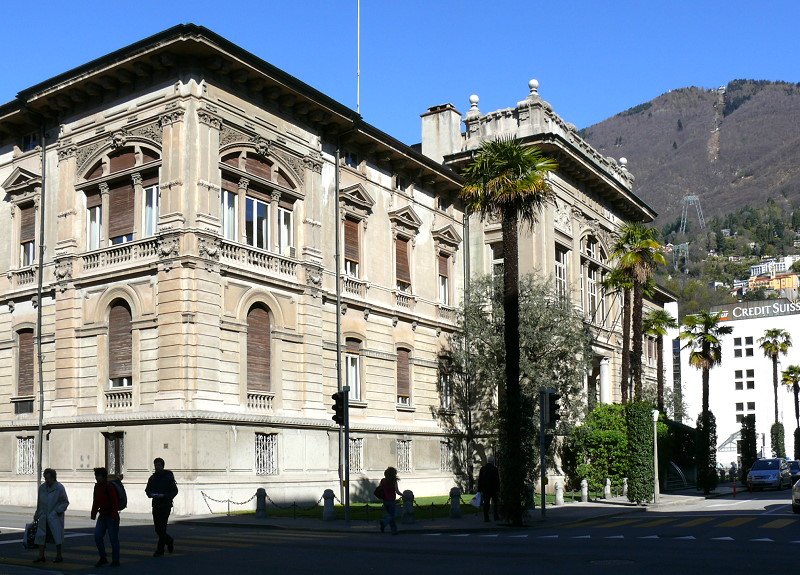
[378, 493]
[476, 500]
[29, 535]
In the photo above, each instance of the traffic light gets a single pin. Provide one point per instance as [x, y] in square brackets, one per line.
[338, 407]
[552, 408]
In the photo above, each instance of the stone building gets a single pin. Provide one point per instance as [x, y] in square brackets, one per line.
[187, 202]
[572, 241]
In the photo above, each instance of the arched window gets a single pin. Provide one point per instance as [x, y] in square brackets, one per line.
[120, 346]
[258, 349]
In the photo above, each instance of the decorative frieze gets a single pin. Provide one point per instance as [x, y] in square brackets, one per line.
[171, 117]
[67, 151]
[205, 117]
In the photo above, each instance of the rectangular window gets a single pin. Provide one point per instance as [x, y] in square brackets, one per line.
[748, 340]
[561, 273]
[739, 417]
[737, 353]
[402, 267]
[266, 453]
[121, 209]
[285, 236]
[739, 386]
[445, 456]
[404, 455]
[748, 352]
[115, 452]
[751, 406]
[150, 216]
[356, 454]
[26, 456]
[30, 141]
[751, 384]
[120, 382]
[737, 341]
[353, 375]
[738, 374]
[497, 261]
[94, 227]
[27, 235]
[27, 256]
[351, 247]
[446, 391]
[229, 205]
[351, 159]
[592, 301]
[256, 222]
[403, 377]
[739, 406]
[25, 363]
[751, 373]
[444, 280]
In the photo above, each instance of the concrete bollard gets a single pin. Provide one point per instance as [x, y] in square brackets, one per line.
[455, 503]
[607, 489]
[328, 513]
[624, 486]
[584, 491]
[261, 503]
[408, 507]
[559, 493]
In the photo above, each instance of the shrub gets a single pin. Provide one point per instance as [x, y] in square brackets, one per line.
[776, 435]
[707, 477]
[639, 418]
[749, 453]
[598, 448]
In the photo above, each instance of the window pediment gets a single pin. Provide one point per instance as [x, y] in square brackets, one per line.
[20, 181]
[405, 220]
[447, 236]
[356, 201]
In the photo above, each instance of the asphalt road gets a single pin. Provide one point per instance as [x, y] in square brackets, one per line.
[755, 534]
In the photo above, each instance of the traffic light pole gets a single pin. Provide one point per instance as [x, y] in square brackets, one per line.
[543, 420]
[346, 392]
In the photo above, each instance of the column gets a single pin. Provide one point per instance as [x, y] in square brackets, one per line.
[105, 210]
[605, 380]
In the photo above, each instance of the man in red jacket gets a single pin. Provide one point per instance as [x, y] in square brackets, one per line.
[105, 507]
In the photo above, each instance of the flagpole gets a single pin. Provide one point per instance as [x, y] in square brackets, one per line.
[358, 56]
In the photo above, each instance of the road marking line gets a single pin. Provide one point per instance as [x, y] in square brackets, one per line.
[649, 537]
[656, 522]
[685, 538]
[736, 522]
[615, 537]
[581, 537]
[432, 534]
[722, 539]
[519, 536]
[764, 539]
[778, 523]
[777, 509]
[547, 537]
[492, 535]
[459, 535]
[620, 523]
[695, 522]
[12, 528]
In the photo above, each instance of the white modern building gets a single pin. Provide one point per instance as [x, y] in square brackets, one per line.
[742, 384]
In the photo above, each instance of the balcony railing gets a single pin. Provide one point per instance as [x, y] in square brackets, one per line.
[260, 400]
[23, 277]
[119, 398]
[446, 313]
[404, 300]
[120, 254]
[257, 258]
[354, 286]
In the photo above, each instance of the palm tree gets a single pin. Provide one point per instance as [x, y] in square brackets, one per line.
[791, 378]
[618, 280]
[638, 252]
[506, 177]
[775, 342]
[703, 332]
[656, 325]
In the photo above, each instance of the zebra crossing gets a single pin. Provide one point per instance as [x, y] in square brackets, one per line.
[79, 552]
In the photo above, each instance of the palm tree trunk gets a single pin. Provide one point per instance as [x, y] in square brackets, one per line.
[706, 353]
[775, 383]
[513, 467]
[626, 343]
[636, 334]
[660, 374]
[796, 391]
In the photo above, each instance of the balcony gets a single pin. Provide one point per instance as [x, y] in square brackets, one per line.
[404, 300]
[446, 313]
[260, 400]
[22, 278]
[119, 398]
[257, 259]
[119, 255]
[355, 286]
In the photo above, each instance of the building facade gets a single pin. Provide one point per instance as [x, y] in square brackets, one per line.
[185, 196]
[571, 243]
[742, 384]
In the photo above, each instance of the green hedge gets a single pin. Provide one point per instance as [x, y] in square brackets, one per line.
[639, 419]
[707, 477]
[749, 452]
[776, 435]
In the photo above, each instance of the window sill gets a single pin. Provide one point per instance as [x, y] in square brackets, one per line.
[358, 403]
[406, 408]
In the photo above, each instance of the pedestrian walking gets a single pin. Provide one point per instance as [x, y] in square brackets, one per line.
[162, 489]
[489, 487]
[51, 504]
[105, 507]
[388, 488]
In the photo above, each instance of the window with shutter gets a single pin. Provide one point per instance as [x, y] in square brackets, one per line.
[27, 235]
[351, 247]
[25, 362]
[120, 217]
[444, 280]
[403, 377]
[352, 362]
[120, 346]
[258, 349]
[402, 269]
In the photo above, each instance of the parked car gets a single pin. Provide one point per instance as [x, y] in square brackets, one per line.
[796, 497]
[794, 468]
[773, 472]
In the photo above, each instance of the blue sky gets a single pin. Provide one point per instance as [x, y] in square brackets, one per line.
[593, 59]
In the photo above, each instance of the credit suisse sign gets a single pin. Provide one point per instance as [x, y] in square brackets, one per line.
[756, 309]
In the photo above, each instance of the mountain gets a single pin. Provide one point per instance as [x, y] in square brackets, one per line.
[731, 146]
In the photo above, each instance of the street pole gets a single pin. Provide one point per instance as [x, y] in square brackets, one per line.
[39, 297]
[655, 456]
[543, 419]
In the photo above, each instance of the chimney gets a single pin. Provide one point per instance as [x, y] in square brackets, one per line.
[441, 132]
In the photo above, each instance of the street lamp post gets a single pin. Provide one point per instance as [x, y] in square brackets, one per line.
[655, 456]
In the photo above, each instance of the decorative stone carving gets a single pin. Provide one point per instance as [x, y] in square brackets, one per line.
[262, 145]
[414, 325]
[168, 247]
[172, 116]
[243, 183]
[229, 135]
[561, 218]
[151, 131]
[295, 164]
[137, 178]
[394, 321]
[344, 308]
[366, 314]
[63, 269]
[84, 153]
[209, 119]
[11, 306]
[68, 151]
[209, 247]
[117, 139]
